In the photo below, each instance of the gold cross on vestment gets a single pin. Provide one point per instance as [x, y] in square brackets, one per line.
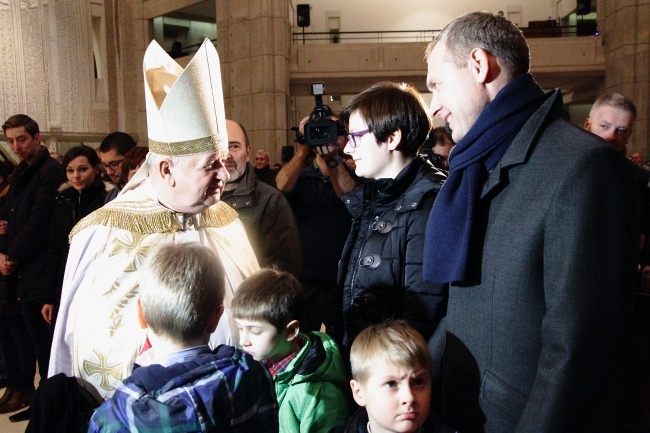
[104, 369]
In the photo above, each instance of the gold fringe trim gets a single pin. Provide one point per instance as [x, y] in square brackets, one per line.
[187, 147]
[148, 217]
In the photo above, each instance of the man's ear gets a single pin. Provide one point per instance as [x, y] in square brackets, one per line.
[587, 124]
[214, 320]
[394, 140]
[292, 330]
[248, 154]
[164, 169]
[483, 65]
[37, 137]
[141, 320]
[357, 393]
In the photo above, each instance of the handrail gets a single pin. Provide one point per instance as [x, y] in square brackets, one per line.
[428, 35]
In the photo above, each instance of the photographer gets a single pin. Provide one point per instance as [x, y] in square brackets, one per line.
[313, 189]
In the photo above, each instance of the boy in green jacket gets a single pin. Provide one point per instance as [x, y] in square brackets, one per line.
[307, 369]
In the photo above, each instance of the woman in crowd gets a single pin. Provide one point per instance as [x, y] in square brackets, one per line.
[83, 193]
[381, 265]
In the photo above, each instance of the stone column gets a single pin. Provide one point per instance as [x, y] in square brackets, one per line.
[626, 37]
[253, 45]
[124, 41]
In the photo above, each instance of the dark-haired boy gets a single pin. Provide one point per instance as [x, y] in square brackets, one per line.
[309, 376]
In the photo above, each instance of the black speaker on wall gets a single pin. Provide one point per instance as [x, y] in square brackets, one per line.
[584, 7]
[302, 11]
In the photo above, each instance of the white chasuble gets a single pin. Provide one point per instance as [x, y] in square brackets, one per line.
[97, 336]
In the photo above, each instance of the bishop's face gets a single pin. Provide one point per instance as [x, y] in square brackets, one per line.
[197, 181]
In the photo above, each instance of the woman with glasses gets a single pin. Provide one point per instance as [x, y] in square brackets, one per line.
[381, 264]
[83, 193]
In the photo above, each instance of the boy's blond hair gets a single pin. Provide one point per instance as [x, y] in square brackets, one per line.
[271, 296]
[181, 286]
[393, 342]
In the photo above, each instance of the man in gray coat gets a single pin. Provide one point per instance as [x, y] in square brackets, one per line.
[265, 213]
[536, 231]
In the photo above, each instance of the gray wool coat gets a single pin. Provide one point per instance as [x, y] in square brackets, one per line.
[538, 343]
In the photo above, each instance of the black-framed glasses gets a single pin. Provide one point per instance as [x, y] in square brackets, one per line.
[114, 165]
[352, 137]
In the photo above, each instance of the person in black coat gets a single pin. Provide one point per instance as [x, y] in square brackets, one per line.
[83, 193]
[381, 265]
[24, 223]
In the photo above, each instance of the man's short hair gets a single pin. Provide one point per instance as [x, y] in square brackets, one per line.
[181, 286]
[120, 141]
[387, 107]
[615, 100]
[392, 342]
[493, 33]
[18, 120]
[263, 152]
[271, 296]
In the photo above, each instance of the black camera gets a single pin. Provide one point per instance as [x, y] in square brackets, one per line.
[320, 128]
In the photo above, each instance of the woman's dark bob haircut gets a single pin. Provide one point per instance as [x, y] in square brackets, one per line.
[387, 107]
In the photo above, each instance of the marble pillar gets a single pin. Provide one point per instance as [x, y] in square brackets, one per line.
[626, 38]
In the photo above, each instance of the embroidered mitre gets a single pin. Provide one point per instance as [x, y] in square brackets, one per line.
[185, 111]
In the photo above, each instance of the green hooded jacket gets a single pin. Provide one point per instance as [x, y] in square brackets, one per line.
[312, 391]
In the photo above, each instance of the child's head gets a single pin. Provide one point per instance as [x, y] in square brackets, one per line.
[181, 293]
[391, 370]
[267, 307]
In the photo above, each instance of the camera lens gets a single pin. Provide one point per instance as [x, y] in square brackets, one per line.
[320, 132]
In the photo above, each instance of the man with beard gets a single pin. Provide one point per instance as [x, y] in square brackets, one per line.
[173, 198]
[265, 213]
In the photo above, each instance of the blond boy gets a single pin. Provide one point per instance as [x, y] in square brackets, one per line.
[391, 370]
[188, 386]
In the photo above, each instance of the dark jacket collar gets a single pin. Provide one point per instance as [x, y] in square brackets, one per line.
[522, 144]
[407, 183]
[246, 184]
[23, 168]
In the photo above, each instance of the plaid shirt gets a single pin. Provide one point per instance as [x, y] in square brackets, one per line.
[280, 366]
[225, 391]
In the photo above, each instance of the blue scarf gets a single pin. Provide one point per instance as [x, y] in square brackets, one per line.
[451, 229]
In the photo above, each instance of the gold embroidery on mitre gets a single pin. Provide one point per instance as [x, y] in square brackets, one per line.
[102, 367]
[186, 147]
[147, 217]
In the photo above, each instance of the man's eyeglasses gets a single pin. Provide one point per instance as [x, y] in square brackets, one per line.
[352, 137]
[114, 165]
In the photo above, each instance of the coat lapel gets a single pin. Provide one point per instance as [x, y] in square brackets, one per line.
[523, 143]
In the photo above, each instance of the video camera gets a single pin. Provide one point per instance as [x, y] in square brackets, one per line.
[320, 128]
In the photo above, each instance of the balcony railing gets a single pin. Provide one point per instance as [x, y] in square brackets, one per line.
[539, 29]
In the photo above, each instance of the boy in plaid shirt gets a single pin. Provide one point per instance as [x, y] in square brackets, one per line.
[307, 369]
[188, 387]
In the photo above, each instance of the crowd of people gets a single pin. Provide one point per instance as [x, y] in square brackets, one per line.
[477, 277]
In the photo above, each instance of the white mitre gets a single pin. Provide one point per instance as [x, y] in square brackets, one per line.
[185, 111]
